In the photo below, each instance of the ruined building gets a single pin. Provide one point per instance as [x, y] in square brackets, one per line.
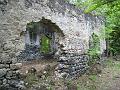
[35, 29]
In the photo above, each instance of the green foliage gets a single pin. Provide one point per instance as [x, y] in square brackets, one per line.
[93, 77]
[94, 49]
[45, 44]
[109, 63]
[117, 66]
[114, 64]
[110, 10]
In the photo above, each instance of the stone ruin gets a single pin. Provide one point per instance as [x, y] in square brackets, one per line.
[41, 40]
[10, 78]
[71, 65]
[61, 22]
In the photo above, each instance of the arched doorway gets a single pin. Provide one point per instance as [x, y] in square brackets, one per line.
[45, 44]
[41, 39]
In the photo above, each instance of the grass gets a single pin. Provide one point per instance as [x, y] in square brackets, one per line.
[87, 82]
[31, 79]
[113, 64]
[93, 77]
[109, 63]
[117, 65]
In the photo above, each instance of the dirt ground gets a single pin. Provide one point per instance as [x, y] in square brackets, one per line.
[109, 79]
[38, 65]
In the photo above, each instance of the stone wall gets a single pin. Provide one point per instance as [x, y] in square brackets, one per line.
[14, 16]
[76, 26]
[10, 78]
[71, 64]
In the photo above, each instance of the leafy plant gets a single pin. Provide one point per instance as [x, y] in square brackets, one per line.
[45, 44]
[94, 49]
[110, 11]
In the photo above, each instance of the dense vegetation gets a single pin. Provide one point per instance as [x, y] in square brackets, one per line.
[110, 10]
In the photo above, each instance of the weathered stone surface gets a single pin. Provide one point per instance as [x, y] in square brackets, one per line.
[71, 65]
[30, 53]
[9, 74]
[16, 66]
[16, 83]
[3, 66]
[7, 61]
[76, 26]
[9, 77]
[3, 72]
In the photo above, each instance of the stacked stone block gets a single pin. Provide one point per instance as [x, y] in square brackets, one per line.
[30, 53]
[72, 65]
[9, 76]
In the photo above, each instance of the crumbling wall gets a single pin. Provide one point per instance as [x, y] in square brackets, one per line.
[71, 65]
[15, 14]
[18, 13]
[10, 78]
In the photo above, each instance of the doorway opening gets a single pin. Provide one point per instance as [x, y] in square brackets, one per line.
[41, 39]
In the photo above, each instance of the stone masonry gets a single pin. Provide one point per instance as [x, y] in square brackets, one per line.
[76, 26]
[72, 65]
[10, 78]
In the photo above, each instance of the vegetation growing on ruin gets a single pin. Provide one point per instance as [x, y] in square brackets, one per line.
[94, 49]
[110, 11]
[45, 44]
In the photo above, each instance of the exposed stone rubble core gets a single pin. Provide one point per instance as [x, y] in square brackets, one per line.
[71, 65]
[30, 53]
[10, 77]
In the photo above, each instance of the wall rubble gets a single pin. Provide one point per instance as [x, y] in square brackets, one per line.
[71, 64]
[10, 78]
